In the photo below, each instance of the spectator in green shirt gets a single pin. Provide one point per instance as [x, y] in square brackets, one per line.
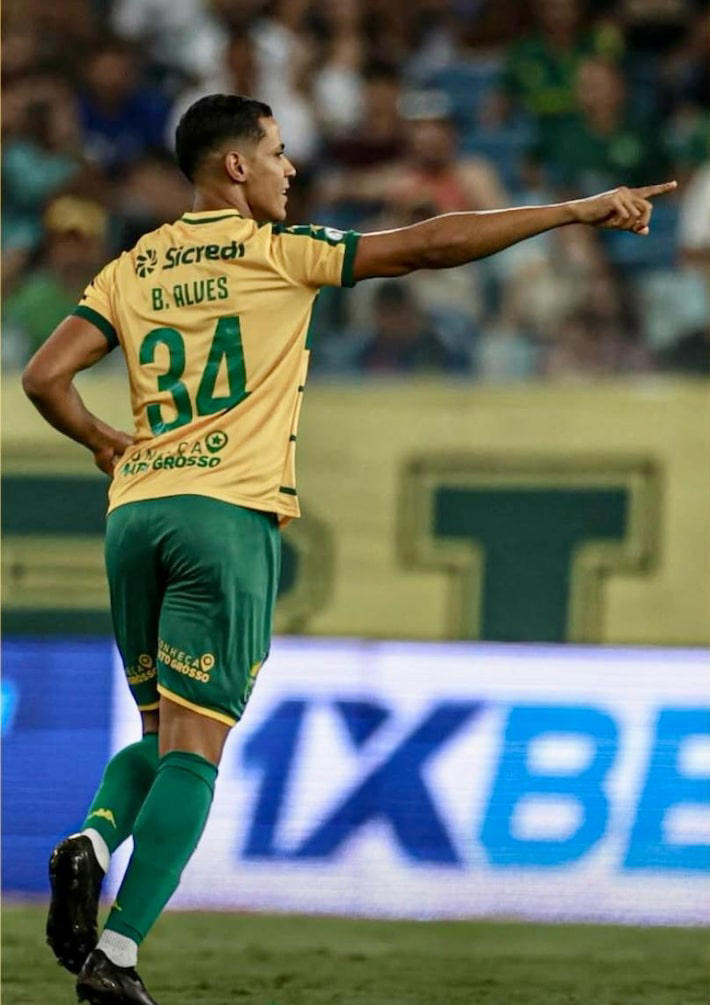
[75, 231]
[541, 68]
[603, 143]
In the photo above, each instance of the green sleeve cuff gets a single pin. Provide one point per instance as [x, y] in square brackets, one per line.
[104, 326]
[351, 241]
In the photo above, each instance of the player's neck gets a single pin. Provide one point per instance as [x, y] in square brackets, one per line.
[210, 199]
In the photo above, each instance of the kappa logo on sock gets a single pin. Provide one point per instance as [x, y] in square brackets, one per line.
[105, 814]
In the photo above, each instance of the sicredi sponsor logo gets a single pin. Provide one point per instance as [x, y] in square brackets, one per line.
[193, 254]
[462, 780]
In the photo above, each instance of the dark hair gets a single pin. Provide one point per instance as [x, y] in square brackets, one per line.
[110, 44]
[391, 293]
[381, 69]
[212, 119]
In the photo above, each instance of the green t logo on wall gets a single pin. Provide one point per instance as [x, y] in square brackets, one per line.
[528, 542]
[53, 577]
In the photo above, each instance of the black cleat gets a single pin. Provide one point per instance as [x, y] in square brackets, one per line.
[76, 878]
[101, 982]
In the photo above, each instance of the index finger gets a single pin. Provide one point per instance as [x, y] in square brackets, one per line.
[650, 190]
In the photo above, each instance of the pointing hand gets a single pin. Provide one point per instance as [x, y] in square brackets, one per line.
[621, 208]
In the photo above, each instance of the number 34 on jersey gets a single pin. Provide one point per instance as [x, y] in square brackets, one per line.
[213, 315]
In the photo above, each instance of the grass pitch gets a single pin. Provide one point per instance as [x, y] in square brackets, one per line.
[231, 959]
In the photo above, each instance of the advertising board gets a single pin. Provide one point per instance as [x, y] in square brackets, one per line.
[428, 780]
[414, 780]
[56, 730]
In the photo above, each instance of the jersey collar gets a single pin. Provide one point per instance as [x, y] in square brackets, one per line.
[210, 216]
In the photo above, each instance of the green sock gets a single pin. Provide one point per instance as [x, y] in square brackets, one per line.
[125, 784]
[167, 831]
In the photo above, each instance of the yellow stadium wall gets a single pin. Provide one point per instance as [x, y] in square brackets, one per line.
[382, 468]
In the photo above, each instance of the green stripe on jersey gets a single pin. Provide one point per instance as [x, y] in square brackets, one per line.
[347, 277]
[104, 326]
[210, 219]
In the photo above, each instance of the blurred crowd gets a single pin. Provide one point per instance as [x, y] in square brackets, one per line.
[392, 111]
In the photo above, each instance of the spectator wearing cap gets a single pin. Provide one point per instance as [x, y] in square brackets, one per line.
[434, 172]
[72, 252]
[41, 155]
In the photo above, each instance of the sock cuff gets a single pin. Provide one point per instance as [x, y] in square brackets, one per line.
[115, 924]
[147, 749]
[195, 764]
[121, 949]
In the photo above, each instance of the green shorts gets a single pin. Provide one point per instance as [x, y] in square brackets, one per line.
[193, 584]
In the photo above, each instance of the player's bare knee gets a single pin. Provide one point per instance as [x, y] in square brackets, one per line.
[184, 729]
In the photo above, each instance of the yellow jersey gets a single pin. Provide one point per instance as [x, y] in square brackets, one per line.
[213, 313]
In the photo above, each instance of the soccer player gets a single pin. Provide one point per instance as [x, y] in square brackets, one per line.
[212, 313]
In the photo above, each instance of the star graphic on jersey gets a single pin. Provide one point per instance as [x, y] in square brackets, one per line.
[215, 441]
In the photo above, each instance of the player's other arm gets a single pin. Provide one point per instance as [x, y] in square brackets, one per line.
[48, 381]
[456, 238]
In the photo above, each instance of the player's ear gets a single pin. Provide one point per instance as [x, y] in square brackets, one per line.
[235, 166]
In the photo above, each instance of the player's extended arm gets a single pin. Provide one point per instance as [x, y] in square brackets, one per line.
[455, 238]
[48, 378]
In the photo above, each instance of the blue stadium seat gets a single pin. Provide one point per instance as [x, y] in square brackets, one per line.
[504, 147]
[467, 84]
